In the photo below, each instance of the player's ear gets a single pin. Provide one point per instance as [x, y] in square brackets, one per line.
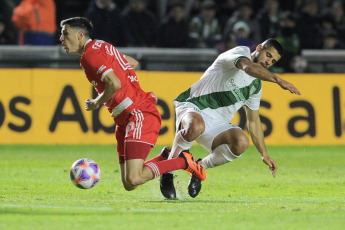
[80, 34]
[259, 47]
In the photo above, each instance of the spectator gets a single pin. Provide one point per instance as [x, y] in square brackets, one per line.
[327, 22]
[205, 29]
[291, 5]
[337, 9]
[174, 30]
[268, 19]
[242, 32]
[244, 12]
[193, 8]
[108, 24]
[35, 20]
[331, 41]
[289, 39]
[308, 26]
[141, 23]
[225, 11]
[229, 43]
[6, 37]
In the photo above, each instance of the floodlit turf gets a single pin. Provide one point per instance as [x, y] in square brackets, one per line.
[308, 193]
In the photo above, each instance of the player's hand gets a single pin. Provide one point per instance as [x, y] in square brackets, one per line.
[91, 104]
[271, 164]
[288, 86]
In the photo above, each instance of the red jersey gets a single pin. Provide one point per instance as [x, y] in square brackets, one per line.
[100, 58]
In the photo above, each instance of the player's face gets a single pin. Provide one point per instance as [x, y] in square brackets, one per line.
[69, 39]
[266, 57]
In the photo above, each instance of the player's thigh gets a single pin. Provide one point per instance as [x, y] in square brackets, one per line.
[234, 137]
[192, 120]
[212, 131]
[188, 115]
[120, 133]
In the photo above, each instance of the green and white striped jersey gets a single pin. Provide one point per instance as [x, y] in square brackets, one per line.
[224, 89]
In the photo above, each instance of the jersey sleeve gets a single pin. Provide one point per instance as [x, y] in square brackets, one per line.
[97, 63]
[230, 58]
[253, 101]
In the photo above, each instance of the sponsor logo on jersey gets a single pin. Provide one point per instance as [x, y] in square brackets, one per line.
[133, 78]
[94, 83]
[236, 91]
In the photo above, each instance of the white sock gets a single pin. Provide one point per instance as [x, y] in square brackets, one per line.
[221, 155]
[179, 144]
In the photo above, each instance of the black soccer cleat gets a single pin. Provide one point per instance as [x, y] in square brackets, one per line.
[167, 185]
[166, 152]
[194, 185]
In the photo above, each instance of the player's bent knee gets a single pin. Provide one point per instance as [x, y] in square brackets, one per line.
[127, 186]
[241, 144]
[134, 181]
[193, 132]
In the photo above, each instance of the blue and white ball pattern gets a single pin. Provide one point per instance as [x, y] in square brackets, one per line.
[85, 173]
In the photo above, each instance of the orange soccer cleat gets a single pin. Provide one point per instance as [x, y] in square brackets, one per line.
[193, 166]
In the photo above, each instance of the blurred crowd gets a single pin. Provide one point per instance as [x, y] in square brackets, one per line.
[219, 24]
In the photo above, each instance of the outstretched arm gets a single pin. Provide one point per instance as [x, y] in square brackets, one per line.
[258, 71]
[257, 136]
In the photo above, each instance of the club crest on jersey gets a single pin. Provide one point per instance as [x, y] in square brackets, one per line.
[133, 78]
[94, 83]
[101, 69]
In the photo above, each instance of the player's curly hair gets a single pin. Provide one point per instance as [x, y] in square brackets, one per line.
[275, 43]
[81, 23]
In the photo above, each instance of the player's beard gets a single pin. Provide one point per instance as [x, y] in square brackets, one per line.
[255, 59]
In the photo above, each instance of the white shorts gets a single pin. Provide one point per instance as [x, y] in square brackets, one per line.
[213, 127]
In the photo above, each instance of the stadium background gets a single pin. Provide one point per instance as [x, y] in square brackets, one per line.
[47, 107]
[44, 129]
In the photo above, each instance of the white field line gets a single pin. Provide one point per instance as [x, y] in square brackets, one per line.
[103, 208]
[54, 207]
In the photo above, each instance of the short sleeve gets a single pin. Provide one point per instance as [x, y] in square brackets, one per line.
[97, 63]
[229, 59]
[253, 101]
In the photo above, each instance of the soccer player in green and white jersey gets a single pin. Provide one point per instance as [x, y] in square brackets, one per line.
[204, 110]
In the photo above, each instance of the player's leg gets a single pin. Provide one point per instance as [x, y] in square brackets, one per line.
[126, 185]
[191, 127]
[119, 134]
[224, 146]
[162, 156]
[141, 134]
[138, 173]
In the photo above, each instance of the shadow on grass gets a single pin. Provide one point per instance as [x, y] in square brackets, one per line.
[195, 201]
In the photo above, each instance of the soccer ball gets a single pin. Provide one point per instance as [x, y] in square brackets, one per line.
[85, 173]
[299, 64]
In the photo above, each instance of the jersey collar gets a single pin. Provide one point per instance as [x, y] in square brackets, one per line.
[87, 42]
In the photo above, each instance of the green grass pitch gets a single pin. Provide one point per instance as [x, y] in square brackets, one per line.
[308, 192]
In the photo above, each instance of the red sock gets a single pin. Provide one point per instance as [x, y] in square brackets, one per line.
[156, 159]
[164, 166]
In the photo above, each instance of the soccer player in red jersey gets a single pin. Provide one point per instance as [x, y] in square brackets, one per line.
[137, 119]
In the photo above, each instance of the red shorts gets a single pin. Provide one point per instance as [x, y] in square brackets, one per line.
[139, 135]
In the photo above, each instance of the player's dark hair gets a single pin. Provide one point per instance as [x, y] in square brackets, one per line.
[81, 23]
[276, 45]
